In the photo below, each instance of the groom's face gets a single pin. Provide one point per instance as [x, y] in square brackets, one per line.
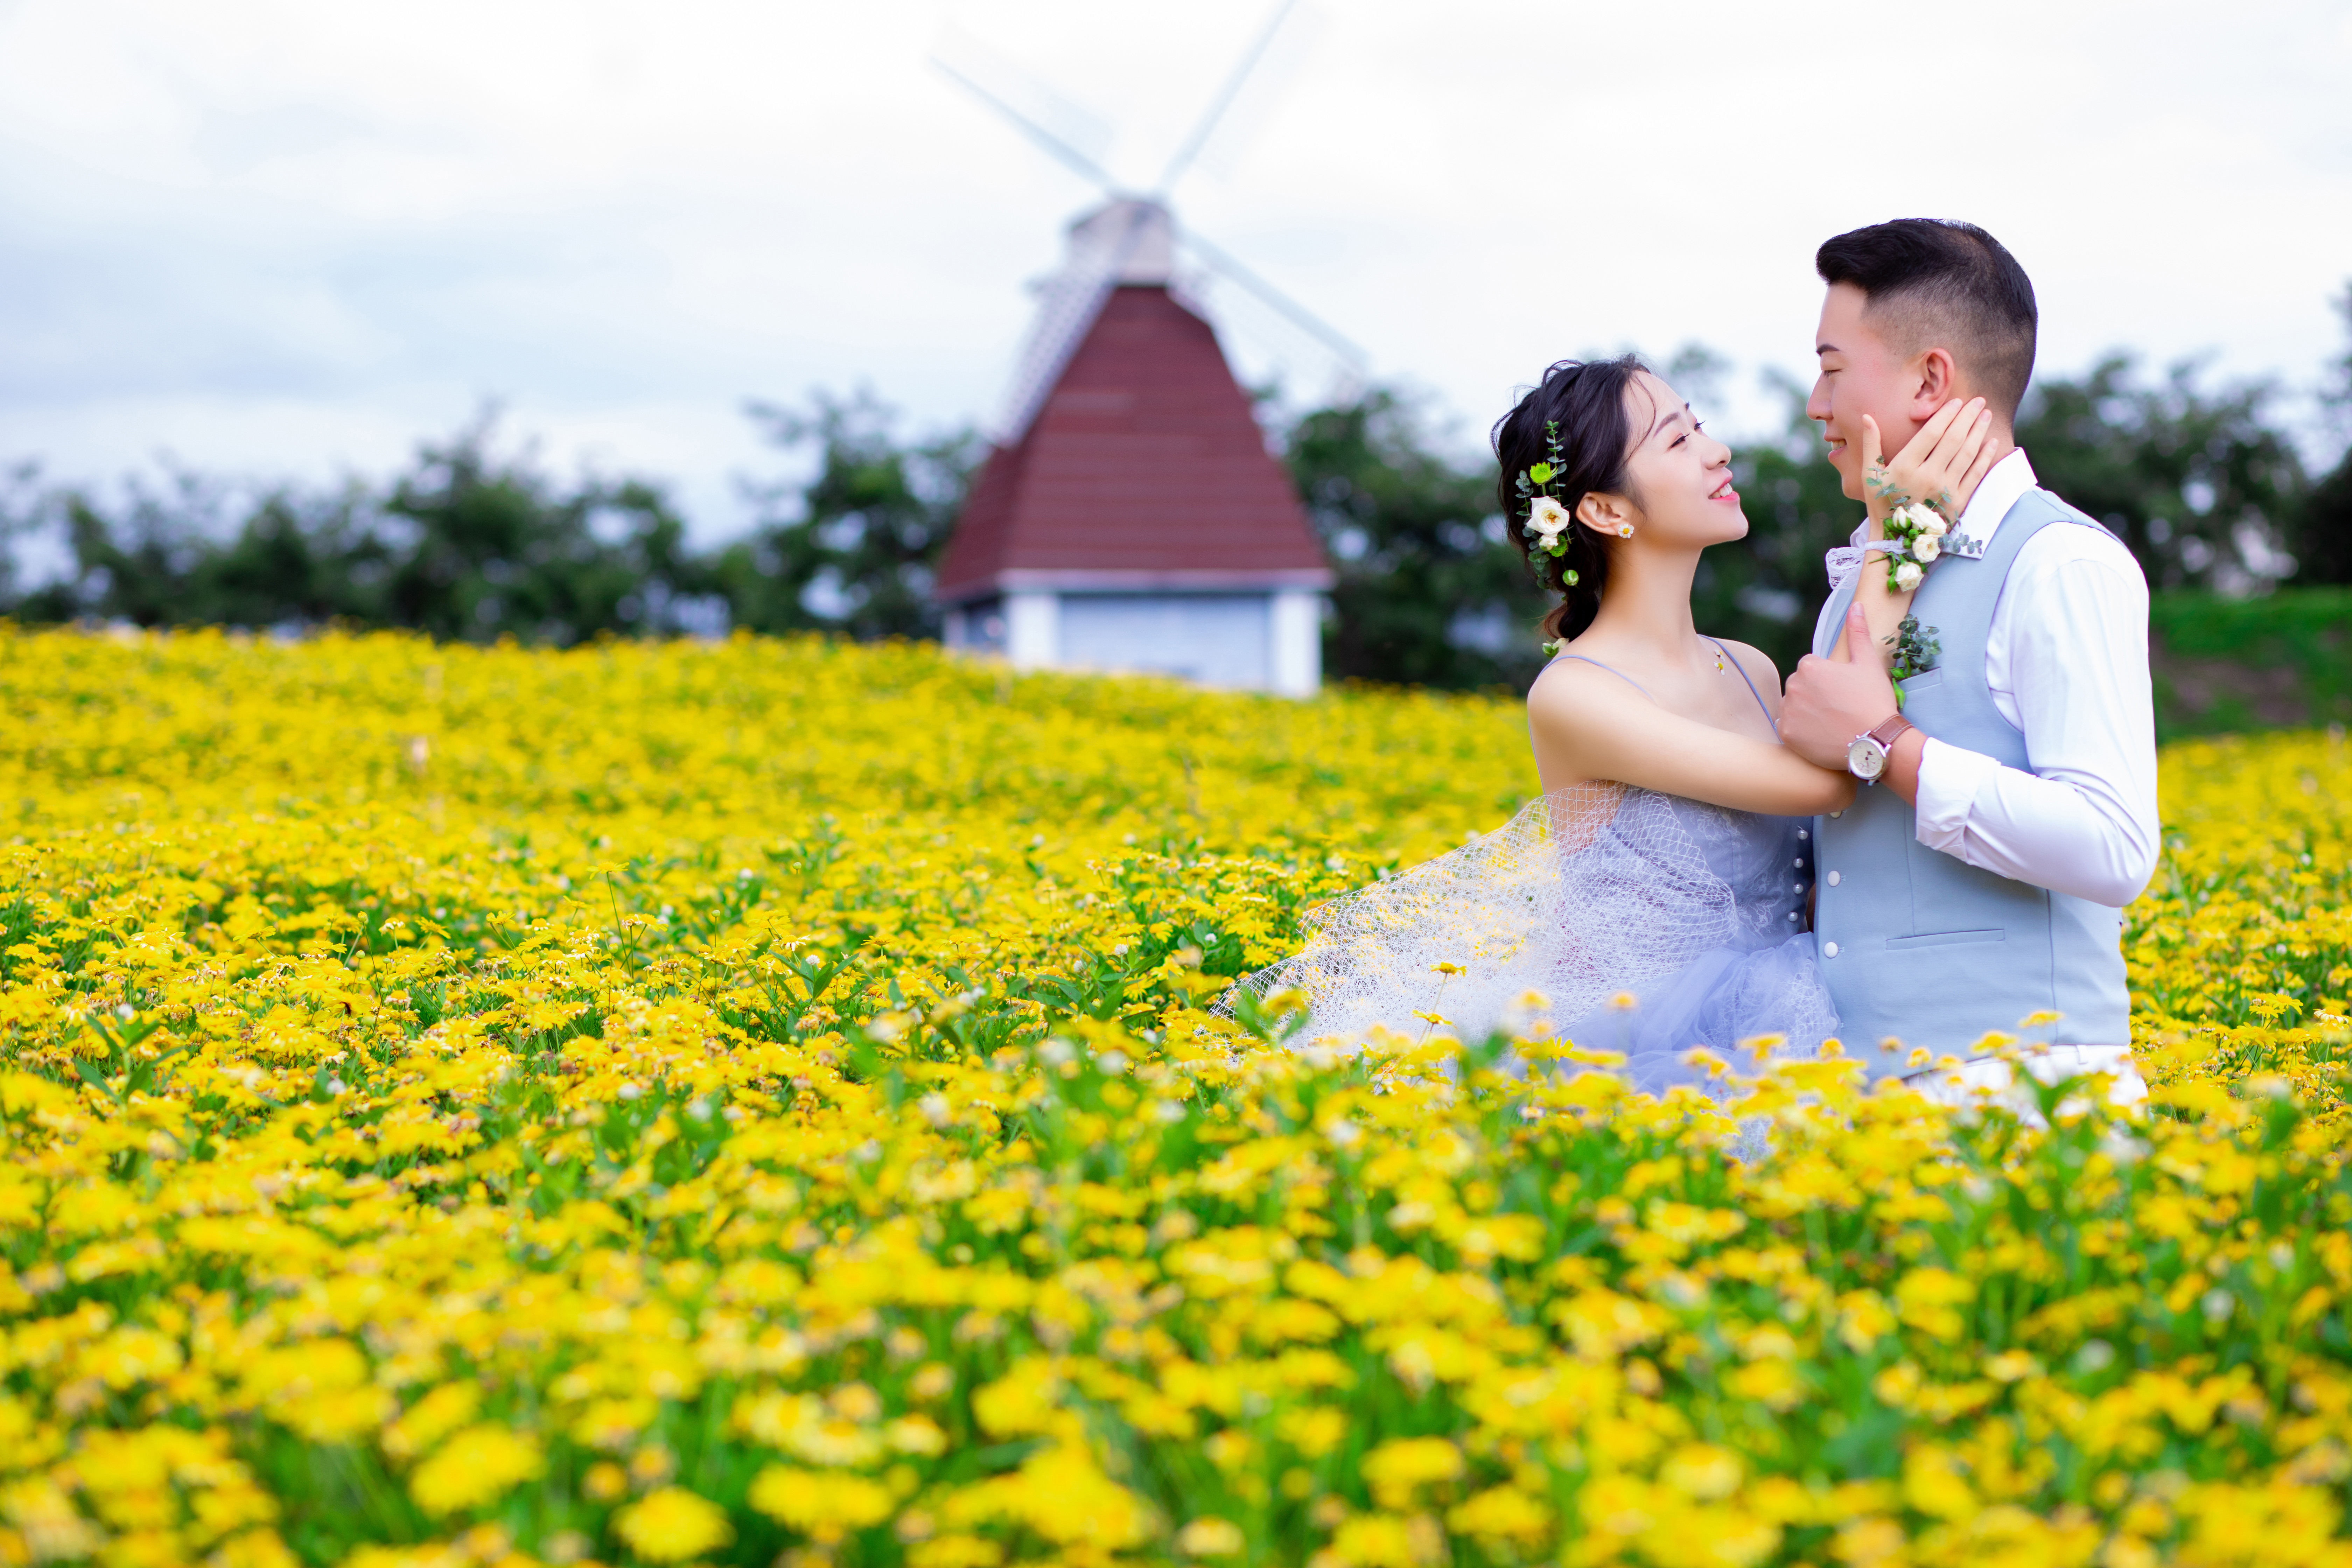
[1860, 375]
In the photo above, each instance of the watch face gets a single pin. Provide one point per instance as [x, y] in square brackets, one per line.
[1865, 759]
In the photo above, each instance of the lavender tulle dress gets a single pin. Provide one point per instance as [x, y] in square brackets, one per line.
[1632, 922]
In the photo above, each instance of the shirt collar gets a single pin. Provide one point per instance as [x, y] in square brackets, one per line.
[2003, 486]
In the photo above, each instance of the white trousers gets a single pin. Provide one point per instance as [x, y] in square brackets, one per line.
[1980, 1079]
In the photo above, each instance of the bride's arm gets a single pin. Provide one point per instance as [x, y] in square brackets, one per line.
[1586, 723]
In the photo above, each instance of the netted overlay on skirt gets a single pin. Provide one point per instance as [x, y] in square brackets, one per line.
[1647, 923]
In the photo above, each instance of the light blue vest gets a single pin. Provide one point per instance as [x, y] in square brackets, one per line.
[1917, 945]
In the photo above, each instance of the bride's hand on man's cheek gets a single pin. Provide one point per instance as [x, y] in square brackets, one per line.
[1938, 467]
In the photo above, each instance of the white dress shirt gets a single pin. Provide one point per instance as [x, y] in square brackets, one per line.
[2066, 661]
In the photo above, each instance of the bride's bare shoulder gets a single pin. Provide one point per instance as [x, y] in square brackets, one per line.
[1573, 692]
[1758, 666]
[1576, 670]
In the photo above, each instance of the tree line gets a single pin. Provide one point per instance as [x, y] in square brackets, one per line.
[2201, 478]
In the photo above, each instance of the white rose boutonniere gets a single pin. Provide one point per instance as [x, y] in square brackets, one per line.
[1915, 536]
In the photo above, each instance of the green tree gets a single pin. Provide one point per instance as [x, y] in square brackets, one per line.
[2322, 541]
[1429, 593]
[854, 547]
[466, 544]
[476, 547]
[1767, 589]
[2201, 484]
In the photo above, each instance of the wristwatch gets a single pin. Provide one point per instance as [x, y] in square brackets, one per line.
[1865, 759]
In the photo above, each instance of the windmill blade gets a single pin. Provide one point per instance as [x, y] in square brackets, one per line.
[1054, 145]
[1224, 99]
[1336, 343]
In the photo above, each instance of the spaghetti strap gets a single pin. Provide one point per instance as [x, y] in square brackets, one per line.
[1751, 685]
[1614, 670]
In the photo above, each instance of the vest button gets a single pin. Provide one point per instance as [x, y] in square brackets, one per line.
[1800, 862]
[1840, 812]
[1828, 949]
[1834, 878]
[1804, 833]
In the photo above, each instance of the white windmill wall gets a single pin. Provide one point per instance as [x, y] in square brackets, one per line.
[1242, 640]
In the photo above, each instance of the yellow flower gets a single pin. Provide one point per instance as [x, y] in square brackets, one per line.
[822, 1505]
[1397, 1469]
[431, 1419]
[678, 1049]
[1703, 1470]
[1933, 1484]
[673, 1524]
[1210, 1536]
[474, 1468]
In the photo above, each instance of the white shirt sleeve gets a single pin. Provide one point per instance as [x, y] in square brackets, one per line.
[2067, 663]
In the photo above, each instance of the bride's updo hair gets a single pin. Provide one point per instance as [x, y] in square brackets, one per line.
[1586, 398]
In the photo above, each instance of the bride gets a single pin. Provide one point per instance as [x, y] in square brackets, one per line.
[1655, 899]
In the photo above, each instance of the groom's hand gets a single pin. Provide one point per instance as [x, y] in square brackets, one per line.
[1831, 701]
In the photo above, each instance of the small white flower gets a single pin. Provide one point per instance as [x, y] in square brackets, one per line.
[1907, 576]
[1547, 520]
[1913, 519]
[1934, 526]
[1926, 548]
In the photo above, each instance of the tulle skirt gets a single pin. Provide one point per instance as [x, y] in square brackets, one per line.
[1620, 918]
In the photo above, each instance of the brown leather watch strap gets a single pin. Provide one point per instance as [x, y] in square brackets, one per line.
[1886, 734]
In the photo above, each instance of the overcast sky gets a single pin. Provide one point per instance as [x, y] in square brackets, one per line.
[293, 238]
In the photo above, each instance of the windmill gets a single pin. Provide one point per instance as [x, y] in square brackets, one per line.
[1129, 515]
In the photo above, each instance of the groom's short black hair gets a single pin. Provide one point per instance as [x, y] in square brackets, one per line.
[1931, 278]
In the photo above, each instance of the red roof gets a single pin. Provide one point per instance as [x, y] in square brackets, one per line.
[1144, 469]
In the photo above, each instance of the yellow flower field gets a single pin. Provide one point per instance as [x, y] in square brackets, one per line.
[752, 1103]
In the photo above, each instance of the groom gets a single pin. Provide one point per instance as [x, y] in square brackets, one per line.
[1979, 880]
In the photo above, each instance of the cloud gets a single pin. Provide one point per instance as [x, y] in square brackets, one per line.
[290, 237]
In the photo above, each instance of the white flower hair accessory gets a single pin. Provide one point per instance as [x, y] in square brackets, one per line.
[1548, 519]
